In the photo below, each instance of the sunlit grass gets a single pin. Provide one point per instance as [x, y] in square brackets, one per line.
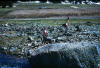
[4, 11]
[51, 21]
[57, 5]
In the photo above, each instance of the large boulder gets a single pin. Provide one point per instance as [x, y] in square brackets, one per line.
[65, 55]
[53, 60]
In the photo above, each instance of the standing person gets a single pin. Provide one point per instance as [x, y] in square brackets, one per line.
[45, 39]
[45, 33]
[66, 28]
[66, 25]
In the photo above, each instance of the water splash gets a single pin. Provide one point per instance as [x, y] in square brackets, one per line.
[76, 57]
[84, 52]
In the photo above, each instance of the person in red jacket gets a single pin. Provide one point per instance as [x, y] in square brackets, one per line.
[45, 39]
[45, 32]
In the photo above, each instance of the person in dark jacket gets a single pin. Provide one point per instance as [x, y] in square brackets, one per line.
[66, 25]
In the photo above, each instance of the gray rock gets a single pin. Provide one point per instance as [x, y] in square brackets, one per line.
[30, 38]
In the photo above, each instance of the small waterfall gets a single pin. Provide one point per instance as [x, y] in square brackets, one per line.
[98, 49]
[58, 59]
[76, 57]
[98, 65]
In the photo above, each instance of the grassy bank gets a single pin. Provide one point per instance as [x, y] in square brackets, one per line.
[4, 11]
[53, 6]
[50, 21]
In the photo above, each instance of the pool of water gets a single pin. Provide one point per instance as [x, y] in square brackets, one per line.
[8, 61]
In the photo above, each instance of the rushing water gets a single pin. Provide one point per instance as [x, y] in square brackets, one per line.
[98, 49]
[61, 55]
[85, 54]
[7, 61]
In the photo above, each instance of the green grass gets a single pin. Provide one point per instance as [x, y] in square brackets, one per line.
[4, 11]
[85, 20]
[53, 6]
[51, 21]
[9, 42]
[4, 40]
[37, 6]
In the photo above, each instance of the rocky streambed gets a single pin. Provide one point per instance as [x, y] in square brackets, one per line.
[81, 41]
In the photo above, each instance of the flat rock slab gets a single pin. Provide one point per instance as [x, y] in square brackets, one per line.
[62, 47]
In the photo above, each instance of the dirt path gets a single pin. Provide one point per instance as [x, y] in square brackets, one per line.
[43, 13]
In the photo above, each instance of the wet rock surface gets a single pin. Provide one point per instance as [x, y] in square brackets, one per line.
[25, 40]
[53, 60]
[85, 53]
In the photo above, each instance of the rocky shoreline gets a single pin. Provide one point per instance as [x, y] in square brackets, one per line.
[23, 39]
